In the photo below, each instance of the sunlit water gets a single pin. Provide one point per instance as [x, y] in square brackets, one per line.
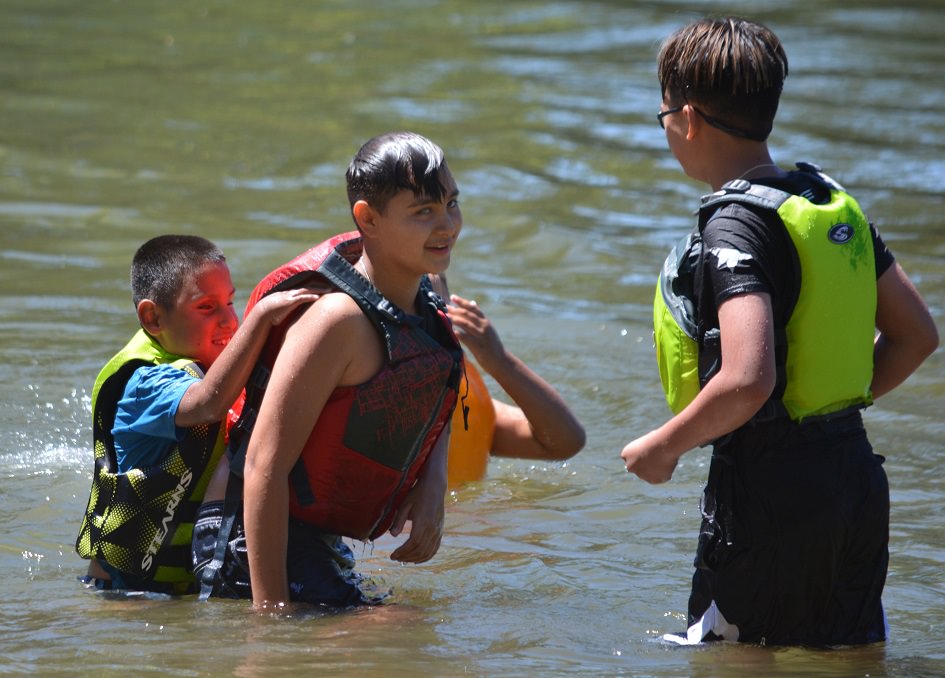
[120, 121]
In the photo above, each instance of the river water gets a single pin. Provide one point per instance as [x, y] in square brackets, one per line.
[120, 121]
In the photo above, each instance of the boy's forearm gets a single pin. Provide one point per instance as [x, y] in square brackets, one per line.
[719, 409]
[435, 470]
[894, 361]
[556, 433]
[266, 519]
[907, 334]
[226, 377]
[208, 400]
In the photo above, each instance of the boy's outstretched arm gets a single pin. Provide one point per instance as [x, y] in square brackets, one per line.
[743, 384]
[907, 333]
[208, 399]
[540, 425]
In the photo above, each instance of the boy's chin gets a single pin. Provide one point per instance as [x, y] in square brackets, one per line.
[207, 359]
[440, 265]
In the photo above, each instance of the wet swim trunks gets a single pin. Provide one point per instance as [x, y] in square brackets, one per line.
[320, 566]
[793, 544]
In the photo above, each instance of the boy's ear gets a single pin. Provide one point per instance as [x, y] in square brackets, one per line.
[693, 121]
[366, 217]
[149, 316]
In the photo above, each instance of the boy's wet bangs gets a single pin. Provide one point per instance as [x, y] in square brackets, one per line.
[394, 162]
[418, 169]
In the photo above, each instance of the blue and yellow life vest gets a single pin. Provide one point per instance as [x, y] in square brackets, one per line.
[141, 522]
[829, 336]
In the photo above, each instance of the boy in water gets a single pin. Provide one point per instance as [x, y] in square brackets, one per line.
[802, 318]
[157, 406]
[349, 410]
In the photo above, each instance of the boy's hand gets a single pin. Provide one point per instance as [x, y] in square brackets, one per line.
[277, 306]
[424, 508]
[476, 332]
[649, 460]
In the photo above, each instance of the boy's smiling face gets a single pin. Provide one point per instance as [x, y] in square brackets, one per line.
[202, 321]
[419, 232]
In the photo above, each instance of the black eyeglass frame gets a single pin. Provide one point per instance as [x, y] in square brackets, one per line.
[663, 114]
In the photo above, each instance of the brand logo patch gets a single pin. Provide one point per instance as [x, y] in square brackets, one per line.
[165, 527]
[840, 233]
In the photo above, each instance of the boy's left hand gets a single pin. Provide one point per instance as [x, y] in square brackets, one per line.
[424, 508]
[476, 332]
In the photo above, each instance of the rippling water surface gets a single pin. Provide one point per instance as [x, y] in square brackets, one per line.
[120, 121]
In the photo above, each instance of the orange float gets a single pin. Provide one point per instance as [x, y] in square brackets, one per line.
[469, 449]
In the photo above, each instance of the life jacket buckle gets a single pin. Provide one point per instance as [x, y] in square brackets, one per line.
[259, 377]
[736, 186]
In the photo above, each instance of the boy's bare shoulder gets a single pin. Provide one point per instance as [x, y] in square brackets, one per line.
[334, 312]
[337, 303]
[335, 328]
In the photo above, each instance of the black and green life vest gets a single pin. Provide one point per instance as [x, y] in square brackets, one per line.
[141, 522]
[829, 336]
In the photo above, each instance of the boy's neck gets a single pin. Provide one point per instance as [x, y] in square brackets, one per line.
[403, 293]
[748, 163]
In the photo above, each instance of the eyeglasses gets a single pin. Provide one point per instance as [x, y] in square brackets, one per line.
[712, 122]
[734, 131]
[663, 114]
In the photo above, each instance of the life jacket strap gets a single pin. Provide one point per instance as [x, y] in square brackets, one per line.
[231, 508]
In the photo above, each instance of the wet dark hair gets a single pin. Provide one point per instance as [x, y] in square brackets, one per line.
[161, 266]
[393, 162]
[732, 70]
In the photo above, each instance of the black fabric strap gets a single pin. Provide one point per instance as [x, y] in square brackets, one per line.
[231, 508]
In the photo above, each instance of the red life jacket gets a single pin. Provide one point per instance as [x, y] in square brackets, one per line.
[371, 441]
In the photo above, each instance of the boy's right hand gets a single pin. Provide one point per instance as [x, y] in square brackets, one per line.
[277, 306]
[649, 460]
